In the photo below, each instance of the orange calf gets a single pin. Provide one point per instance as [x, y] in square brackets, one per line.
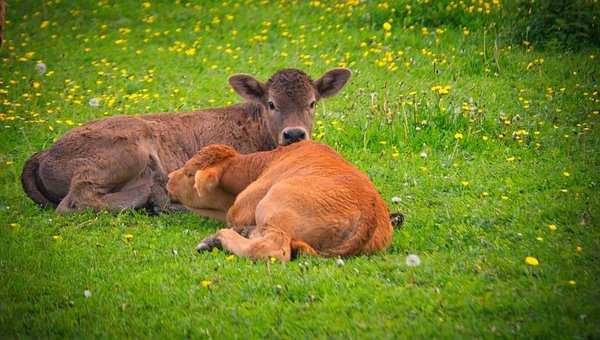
[298, 198]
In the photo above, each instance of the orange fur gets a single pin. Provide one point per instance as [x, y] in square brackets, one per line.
[299, 198]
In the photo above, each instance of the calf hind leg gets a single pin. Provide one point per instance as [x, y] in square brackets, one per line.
[87, 195]
[271, 244]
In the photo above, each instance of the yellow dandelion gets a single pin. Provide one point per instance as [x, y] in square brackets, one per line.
[572, 282]
[387, 26]
[206, 283]
[230, 258]
[552, 227]
[532, 261]
[566, 174]
[44, 24]
[458, 136]
[128, 237]
[56, 238]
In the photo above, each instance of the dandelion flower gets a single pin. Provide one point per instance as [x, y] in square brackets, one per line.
[532, 261]
[128, 237]
[387, 26]
[56, 238]
[458, 136]
[206, 283]
[552, 227]
[572, 282]
[413, 260]
[87, 293]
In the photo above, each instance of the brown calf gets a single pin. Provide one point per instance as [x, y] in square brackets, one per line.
[302, 197]
[121, 162]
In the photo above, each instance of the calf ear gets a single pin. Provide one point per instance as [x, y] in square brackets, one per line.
[206, 180]
[332, 82]
[248, 87]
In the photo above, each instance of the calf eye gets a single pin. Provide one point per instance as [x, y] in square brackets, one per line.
[312, 104]
[271, 105]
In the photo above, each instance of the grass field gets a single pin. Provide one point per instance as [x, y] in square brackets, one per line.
[490, 147]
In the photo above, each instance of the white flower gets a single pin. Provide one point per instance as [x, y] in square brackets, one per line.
[94, 102]
[396, 199]
[413, 260]
[339, 262]
[174, 251]
[41, 68]
[87, 293]
[423, 154]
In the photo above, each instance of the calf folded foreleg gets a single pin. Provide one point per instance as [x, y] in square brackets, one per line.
[272, 243]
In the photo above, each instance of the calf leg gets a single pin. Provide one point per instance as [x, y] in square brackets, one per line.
[271, 244]
[213, 241]
[84, 195]
[159, 200]
[241, 215]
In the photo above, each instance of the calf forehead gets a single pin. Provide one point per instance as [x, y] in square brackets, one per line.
[291, 83]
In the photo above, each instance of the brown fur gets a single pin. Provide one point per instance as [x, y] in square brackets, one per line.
[121, 162]
[302, 197]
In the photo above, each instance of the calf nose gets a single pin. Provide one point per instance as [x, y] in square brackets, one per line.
[293, 135]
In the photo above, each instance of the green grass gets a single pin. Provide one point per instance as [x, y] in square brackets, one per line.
[475, 206]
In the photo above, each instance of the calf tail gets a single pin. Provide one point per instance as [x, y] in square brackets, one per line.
[30, 181]
[368, 237]
[357, 241]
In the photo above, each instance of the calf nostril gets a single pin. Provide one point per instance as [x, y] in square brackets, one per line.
[293, 135]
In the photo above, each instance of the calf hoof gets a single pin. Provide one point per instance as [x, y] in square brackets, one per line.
[397, 220]
[208, 244]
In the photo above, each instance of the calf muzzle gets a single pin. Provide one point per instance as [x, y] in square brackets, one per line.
[293, 135]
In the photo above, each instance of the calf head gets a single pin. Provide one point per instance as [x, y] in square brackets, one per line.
[289, 98]
[195, 185]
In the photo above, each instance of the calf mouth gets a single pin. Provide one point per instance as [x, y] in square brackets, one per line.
[172, 197]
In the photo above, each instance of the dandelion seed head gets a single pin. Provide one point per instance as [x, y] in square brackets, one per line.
[41, 68]
[94, 102]
[413, 260]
